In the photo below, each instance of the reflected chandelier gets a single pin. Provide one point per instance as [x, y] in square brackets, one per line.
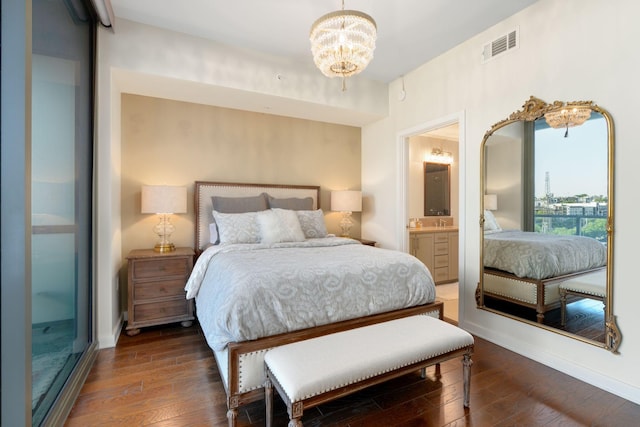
[567, 117]
[342, 43]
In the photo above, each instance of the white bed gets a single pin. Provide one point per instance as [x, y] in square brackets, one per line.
[303, 287]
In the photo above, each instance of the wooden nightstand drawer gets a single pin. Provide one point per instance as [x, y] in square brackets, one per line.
[161, 310]
[153, 268]
[159, 289]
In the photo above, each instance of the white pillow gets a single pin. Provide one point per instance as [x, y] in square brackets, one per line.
[213, 233]
[312, 223]
[279, 225]
[237, 227]
[490, 223]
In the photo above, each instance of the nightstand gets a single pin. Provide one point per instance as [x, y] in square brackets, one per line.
[366, 242]
[156, 288]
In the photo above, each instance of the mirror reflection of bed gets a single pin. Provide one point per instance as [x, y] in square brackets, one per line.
[547, 220]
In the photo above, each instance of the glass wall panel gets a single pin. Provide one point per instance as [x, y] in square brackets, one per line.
[61, 165]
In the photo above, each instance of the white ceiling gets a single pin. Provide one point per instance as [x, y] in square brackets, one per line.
[410, 32]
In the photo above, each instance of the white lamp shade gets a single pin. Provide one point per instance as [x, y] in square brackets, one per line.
[491, 202]
[167, 199]
[346, 201]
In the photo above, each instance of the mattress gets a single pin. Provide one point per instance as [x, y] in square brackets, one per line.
[541, 256]
[249, 291]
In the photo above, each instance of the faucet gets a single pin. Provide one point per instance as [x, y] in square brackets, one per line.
[442, 222]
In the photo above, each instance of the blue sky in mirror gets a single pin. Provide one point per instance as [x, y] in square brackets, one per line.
[576, 164]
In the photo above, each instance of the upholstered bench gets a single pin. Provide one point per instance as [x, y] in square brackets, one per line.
[590, 285]
[311, 372]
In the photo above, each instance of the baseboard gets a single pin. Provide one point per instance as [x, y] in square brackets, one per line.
[589, 376]
[110, 340]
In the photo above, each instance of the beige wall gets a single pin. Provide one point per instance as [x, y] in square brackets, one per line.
[177, 143]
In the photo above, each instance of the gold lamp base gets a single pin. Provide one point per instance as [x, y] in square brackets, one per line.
[164, 247]
[164, 229]
[345, 224]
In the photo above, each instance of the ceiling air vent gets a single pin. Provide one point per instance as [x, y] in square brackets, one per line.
[500, 45]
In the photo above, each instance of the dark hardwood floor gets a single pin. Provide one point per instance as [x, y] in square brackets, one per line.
[584, 317]
[167, 376]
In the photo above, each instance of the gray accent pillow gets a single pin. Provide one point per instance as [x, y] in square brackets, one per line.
[293, 203]
[312, 223]
[240, 204]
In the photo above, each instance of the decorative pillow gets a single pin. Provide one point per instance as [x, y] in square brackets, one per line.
[312, 223]
[237, 228]
[279, 225]
[213, 234]
[231, 205]
[490, 223]
[293, 203]
[240, 204]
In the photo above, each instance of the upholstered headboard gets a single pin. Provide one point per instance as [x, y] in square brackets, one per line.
[204, 205]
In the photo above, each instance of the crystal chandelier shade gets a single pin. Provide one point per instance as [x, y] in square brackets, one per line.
[342, 42]
[567, 117]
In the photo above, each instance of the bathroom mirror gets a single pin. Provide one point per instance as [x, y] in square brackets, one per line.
[437, 189]
[546, 220]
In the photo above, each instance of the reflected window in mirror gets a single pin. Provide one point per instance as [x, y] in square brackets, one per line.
[570, 179]
[437, 189]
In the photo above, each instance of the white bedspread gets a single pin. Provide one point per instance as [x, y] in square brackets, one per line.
[248, 291]
[540, 256]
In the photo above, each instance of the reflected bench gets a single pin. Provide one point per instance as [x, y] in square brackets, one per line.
[591, 285]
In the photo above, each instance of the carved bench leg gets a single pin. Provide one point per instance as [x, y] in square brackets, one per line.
[466, 374]
[232, 411]
[295, 413]
[268, 400]
[232, 415]
[563, 307]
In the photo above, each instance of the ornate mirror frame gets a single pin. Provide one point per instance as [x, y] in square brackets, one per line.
[532, 110]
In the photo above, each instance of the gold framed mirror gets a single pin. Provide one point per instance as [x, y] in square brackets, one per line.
[546, 220]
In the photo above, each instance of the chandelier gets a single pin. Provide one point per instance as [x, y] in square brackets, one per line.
[342, 43]
[567, 117]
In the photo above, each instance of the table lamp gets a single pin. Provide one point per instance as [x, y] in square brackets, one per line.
[164, 200]
[346, 201]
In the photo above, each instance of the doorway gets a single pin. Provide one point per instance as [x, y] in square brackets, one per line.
[444, 138]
